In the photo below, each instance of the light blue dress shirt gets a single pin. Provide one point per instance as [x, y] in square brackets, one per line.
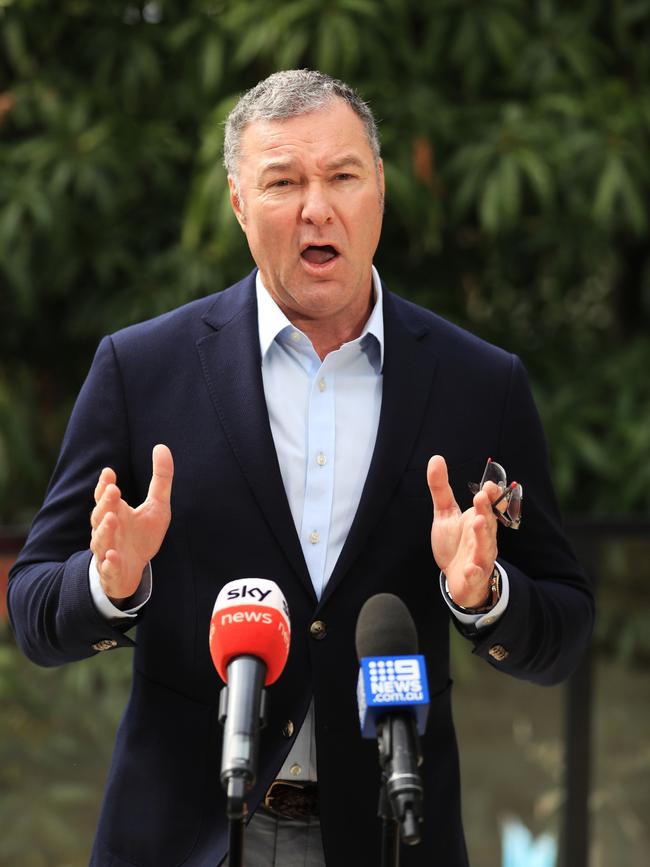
[324, 417]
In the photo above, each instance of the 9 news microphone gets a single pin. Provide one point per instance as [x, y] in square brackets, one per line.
[393, 703]
[249, 644]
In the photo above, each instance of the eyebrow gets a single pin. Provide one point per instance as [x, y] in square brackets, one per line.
[276, 166]
[279, 166]
[345, 160]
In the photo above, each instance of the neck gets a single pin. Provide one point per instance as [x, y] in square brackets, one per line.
[328, 335]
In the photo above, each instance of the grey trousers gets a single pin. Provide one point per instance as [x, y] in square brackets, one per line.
[273, 842]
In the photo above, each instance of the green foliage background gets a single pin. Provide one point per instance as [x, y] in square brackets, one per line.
[516, 138]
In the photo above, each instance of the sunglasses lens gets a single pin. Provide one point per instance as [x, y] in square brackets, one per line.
[514, 504]
[494, 472]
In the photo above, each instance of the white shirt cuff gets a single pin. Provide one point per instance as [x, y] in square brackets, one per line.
[104, 605]
[489, 617]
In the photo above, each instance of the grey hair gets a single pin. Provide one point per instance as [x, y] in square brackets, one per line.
[286, 94]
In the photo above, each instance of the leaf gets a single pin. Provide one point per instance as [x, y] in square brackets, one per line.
[364, 8]
[538, 174]
[212, 61]
[10, 218]
[293, 48]
[505, 35]
[327, 50]
[509, 188]
[616, 193]
[253, 43]
[490, 204]
[180, 35]
[17, 53]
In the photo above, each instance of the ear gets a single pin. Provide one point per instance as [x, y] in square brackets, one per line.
[236, 203]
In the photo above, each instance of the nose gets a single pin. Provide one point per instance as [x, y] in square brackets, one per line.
[316, 208]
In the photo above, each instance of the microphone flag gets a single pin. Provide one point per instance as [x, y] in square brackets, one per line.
[388, 684]
[250, 618]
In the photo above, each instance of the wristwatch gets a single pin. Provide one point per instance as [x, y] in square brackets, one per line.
[494, 594]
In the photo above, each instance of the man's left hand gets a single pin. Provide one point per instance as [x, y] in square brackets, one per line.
[464, 544]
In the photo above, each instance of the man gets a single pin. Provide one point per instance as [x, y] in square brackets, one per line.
[301, 407]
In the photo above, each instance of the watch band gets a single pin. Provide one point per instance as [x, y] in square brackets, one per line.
[494, 594]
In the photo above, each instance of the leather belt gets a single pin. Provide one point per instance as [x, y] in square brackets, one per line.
[291, 800]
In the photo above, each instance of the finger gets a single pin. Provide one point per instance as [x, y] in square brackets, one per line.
[103, 538]
[110, 573]
[438, 480]
[493, 491]
[485, 545]
[160, 487]
[483, 504]
[106, 477]
[108, 502]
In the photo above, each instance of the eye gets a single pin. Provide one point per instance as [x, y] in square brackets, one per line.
[281, 182]
[343, 176]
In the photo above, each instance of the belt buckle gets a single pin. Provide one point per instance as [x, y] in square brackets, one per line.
[268, 797]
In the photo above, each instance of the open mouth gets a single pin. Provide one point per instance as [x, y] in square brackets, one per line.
[319, 254]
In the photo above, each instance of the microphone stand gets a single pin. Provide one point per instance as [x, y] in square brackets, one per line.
[246, 700]
[400, 798]
[389, 828]
[236, 833]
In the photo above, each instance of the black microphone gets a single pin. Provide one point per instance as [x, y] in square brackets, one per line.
[393, 701]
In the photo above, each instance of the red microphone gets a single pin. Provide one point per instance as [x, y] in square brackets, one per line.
[249, 644]
[250, 617]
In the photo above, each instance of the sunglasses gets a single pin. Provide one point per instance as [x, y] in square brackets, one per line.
[507, 507]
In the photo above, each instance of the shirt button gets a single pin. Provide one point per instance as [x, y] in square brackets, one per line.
[295, 770]
[287, 729]
[318, 630]
[314, 537]
[322, 385]
[321, 460]
[295, 336]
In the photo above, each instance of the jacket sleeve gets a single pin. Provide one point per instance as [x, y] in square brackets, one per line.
[50, 605]
[549, 618]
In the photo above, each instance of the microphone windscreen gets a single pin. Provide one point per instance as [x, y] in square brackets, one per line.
[250, 618]
[385, 628]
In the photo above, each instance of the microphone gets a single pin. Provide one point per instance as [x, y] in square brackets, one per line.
[250, 635]
[393, 700]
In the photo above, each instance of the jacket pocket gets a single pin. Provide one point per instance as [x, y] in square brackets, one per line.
[156, 792]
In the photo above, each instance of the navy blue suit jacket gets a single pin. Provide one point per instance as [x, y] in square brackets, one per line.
[192, 379]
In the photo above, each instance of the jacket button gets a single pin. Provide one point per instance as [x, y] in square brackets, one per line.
[318, 630]
[105, 644]
[498, 652]
[287, 729]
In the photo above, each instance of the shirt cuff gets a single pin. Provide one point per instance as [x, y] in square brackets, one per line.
[488, 617]
[104, 605]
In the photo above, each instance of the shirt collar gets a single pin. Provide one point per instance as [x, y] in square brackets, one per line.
[271, 321]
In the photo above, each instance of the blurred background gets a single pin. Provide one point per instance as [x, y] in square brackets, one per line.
[516, 144]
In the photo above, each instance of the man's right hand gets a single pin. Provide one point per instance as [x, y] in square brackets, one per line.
[125, 539]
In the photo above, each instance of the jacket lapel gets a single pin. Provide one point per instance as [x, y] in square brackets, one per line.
[408, 374]
[231, 362]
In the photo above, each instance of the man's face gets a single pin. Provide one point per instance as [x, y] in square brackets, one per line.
[310, 202]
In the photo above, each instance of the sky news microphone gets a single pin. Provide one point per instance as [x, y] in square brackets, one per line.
[250, 635]
[393, 701]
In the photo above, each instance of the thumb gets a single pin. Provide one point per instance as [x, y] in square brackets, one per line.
[160, 487]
